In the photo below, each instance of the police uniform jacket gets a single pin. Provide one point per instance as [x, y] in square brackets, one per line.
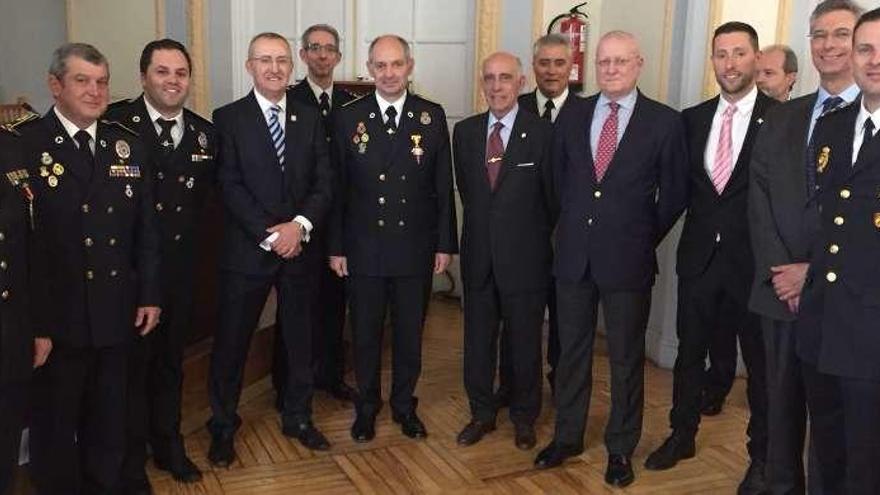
[303, 93]
[97, 234]
[395, 207]
[16, 337]
[182, 181]
[840, 303]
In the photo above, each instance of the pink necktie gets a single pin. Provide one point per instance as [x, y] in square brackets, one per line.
[724, 153]
[607, 142]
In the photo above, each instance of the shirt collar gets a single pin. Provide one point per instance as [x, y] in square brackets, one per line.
[864, 114]
[397, 104]
[628, 102]
[745, 104]
[557, 102]
[265, 104]
[508, 119]
[154, 114]
[72, 129]
[317, 90]
[849, 95]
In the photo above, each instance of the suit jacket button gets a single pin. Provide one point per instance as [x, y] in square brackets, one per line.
[834, 249]
[403, 201]
[838, 220]
[381, 223]
[88, 242]
[717, 237]
[113, 273]
[589, 221]
[160, 175]
[831, 277]
[2, 236]
[381, 200]
[90, 274]
[382, 177]
[597, 194]
[3, 265]
[181, 179]
[112, 241]
[177, 237]
[403, 178]
[85, 208]
[109, 209]
[5, 294]
[159, 207]
[844, 193]
[401, 223]
[178, 209]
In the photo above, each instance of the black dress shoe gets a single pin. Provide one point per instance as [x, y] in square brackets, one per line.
[342, 391]
[619, 472]
[137, 486]
[754, 483]
[711, 405]
[677, 447]
[309, 436]
[410, 425]
[182, 469]
[474, 431]
[525, 438]
[364, 428]
[222, 452]
[555, 454]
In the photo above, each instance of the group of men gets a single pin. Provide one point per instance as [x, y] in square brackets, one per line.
[99, 233]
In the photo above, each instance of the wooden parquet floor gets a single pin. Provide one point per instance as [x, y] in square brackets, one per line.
[269, 463]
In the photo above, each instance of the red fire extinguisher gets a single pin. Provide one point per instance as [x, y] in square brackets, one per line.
[575, 25]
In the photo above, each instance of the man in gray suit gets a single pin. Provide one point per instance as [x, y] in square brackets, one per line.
[783, 176]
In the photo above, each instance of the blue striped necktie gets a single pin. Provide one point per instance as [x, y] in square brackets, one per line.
[277, 133]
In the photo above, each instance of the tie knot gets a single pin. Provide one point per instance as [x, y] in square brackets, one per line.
[165, 124]
[614, 106]
[497, 126]
[391, 112]
[324, 98]
[869, 127]
[729, 111]
[83, 139]
[831, 103]
[549, 105]
[275, 109]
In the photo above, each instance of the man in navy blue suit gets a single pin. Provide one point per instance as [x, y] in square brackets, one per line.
[276, 184]
[620, 166]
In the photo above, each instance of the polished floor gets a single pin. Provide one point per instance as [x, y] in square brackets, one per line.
[269, 463]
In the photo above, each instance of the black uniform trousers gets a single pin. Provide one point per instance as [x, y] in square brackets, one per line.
[13, 398]
[155, 383]
[328, 351]
[369, 297]
[786, 413]
[706, 304]
[522, 314]
[626, 316]
[77, 436]
[505, 373]
[722, 365]
[242, 298]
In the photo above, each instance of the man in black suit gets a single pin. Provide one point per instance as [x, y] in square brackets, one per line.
[394, 225]
[715, 263]
[838, 309]
[17, 356]
[782, 228]
[620, 170]
[503, 174]
[98, 238]
[276, 183]
[320, 52]
[551, 63]
[182, 145]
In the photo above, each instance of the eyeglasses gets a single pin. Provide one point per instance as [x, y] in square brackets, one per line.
[267, 60]
[840, 35]
[317, 48]
[616, 62]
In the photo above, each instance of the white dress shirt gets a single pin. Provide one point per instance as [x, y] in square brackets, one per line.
[557, 103]
[738, 129]
[176, 131]
[72, 129]
[397, 104]
[864, 115]
[508, 119]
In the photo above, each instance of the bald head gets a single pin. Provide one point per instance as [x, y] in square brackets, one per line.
[618, 64]
[502, 82]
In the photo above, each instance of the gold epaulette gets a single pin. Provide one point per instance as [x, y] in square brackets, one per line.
[120, 125]
[23, 119]
[359, 98]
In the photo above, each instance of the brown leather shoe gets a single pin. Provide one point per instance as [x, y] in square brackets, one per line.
[474, 431]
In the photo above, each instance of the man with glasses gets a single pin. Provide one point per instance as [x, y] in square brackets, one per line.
[276, 185]
[782, 230]
[320, 52]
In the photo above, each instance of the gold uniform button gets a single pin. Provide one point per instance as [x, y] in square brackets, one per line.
[597, 194]
[381, 223]
[5, 294]
[403, 201]
[838, 220]
[181, 178]
[589, 221]
[834, 249]
[382, 177]
[113, 273]
[160, 175]
[88, 242]
[381, 201]
[176, 237]
[844, 193]
[401, 223]
[112, 241]
[403, 178]
[3, 265]
[2, 236]
[109, 209]
[831, 277]
[90, 274]
[178, 209]
[85, 208]
[159, 207]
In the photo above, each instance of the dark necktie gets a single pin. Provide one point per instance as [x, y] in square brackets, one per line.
[866, 137]
[391, 123]
[165, 138]
[548, 111]
[828, 105]
[84, 151]
[494, 154]
[324, 104]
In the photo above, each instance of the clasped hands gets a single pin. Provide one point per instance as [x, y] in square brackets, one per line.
[788, 281]
[289, 242]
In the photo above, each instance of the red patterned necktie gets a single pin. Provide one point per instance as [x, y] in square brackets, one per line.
[607, 142]
[494, 154]
[724, 152]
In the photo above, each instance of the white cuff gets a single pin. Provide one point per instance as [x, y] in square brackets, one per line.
[306, 224]
[266, 245]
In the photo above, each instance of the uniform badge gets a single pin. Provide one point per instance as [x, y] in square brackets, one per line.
[46, 159]
[425, 118]
[122, 149]
[417, 151]
[203, 140]
[136, 119]
[53, 181]
[877, 220]
[293, 118]
[356, 139]
[44, 171]
[128, 191]
[365, 138]
[361, 128]
[522, 136]
[190, 182]
[822, 160]
[59, 139]
[58, 169]
[410, 114]
[362, 148]
[372, 115]
[103, 143]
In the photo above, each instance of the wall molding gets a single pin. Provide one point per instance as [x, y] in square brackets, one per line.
[710, 86]
[200, 92]
[487, 30]
[666, 54]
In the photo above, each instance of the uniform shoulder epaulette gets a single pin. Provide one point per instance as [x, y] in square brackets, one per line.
[12, 127]
[114, 123]
[426, 100]
[120, 103]
[197, 117]
[357, 99]
[837, 109]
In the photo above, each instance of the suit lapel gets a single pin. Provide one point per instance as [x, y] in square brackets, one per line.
[700, 131]
[581, 138]
[801, 126]
[258, 128]
[478, 145]
[626, 145]
[742, 161]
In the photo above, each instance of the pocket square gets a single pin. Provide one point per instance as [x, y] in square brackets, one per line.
[529, 164]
